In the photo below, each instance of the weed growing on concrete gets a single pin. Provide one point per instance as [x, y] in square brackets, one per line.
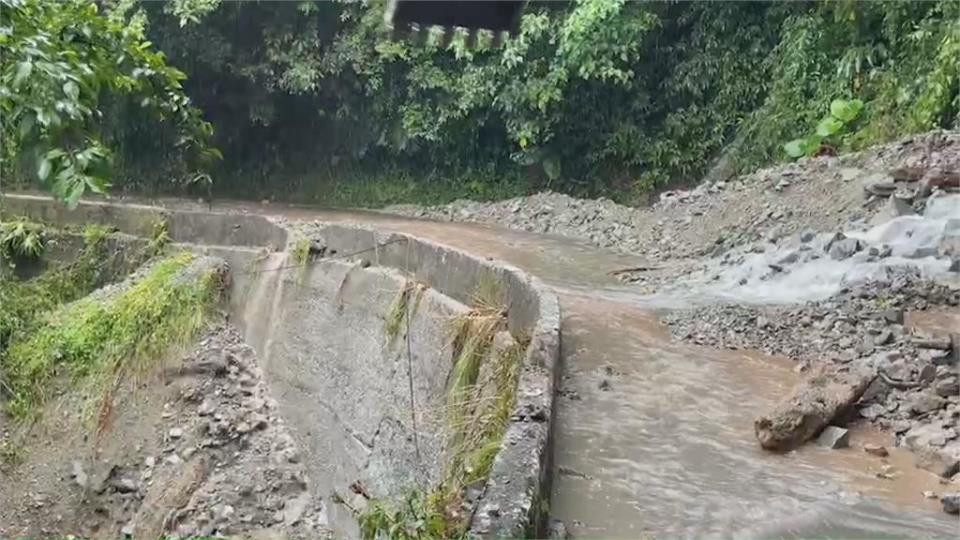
[403, 307]
[97, 340]
[301, 251]
[477, 421]
[415, 518]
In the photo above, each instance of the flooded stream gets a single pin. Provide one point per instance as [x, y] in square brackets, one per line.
[655, 437]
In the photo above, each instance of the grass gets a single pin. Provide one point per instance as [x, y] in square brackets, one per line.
[97, 340]
[301, 251]
[21, 239]
[401, 309]
[477, 419]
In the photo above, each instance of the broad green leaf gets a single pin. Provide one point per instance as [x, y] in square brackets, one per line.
[23, 71]
[74, 192]
[43, 171]
[71, 90]
[811, 144]
[795, 148]
[829, 126]
[97, 185]
[846, 110]
[551, 166]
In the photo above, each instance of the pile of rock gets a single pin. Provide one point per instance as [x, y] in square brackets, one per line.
[907, 381]
[227, 464]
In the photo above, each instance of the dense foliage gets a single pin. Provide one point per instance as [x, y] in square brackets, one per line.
[61, 61]
[311, 99]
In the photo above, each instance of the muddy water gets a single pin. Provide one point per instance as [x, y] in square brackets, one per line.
[654, 437]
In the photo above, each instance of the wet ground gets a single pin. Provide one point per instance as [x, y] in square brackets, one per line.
[655, 437]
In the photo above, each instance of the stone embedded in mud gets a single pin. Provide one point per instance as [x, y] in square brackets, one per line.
[834, 437]
[876, 450]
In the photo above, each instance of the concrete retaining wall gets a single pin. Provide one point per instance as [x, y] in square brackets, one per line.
[339, 381]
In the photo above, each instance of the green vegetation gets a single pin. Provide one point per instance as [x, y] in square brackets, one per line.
[829, 131]
[25, 301]
[312, 101]
[21, 239]
[62, 63]
[404, 306]
[96, 340]
[478, 411]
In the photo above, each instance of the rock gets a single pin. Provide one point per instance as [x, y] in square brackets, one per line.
[924, 402]
[876, 450]
[924, 440]
[293, 509]
[873, 411]
[894, 207]
[206, 408]
[892, 316]
[927, 374]
[834, 437]
[947, 387]
[810, 407]
[558, 530]
[175, 433]
[123, 484]
[78, 474]
[951, 502]
[127, 530]
[844, 249]
[931, 343]
[807, 236]
[150, 461]
[950, 241]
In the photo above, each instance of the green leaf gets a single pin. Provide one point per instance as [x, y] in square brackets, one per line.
[74, 192]
[795, 148]
[43, 171]
[551, 166]
[846, 110]
[829, 126]
[23, 71]
[71, 90]
[97, 185]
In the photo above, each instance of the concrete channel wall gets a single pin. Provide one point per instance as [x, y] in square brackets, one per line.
[342, 383]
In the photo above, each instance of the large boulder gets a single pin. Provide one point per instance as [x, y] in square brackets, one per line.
[810, 407]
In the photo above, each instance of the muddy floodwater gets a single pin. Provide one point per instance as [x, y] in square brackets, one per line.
[655, 437]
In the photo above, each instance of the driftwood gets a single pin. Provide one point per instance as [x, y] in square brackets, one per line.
[632, 269]
[810, 407]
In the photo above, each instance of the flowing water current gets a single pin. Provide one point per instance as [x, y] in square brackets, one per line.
[654, 438]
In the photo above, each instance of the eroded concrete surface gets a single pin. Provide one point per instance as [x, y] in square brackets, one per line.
[655, 437]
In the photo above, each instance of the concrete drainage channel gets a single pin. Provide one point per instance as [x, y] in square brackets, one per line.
[395, 365]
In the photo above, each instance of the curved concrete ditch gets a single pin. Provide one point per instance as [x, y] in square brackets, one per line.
[653, 437]
[352, 331]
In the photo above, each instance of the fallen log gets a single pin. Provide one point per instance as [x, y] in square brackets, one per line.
[811, 406]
